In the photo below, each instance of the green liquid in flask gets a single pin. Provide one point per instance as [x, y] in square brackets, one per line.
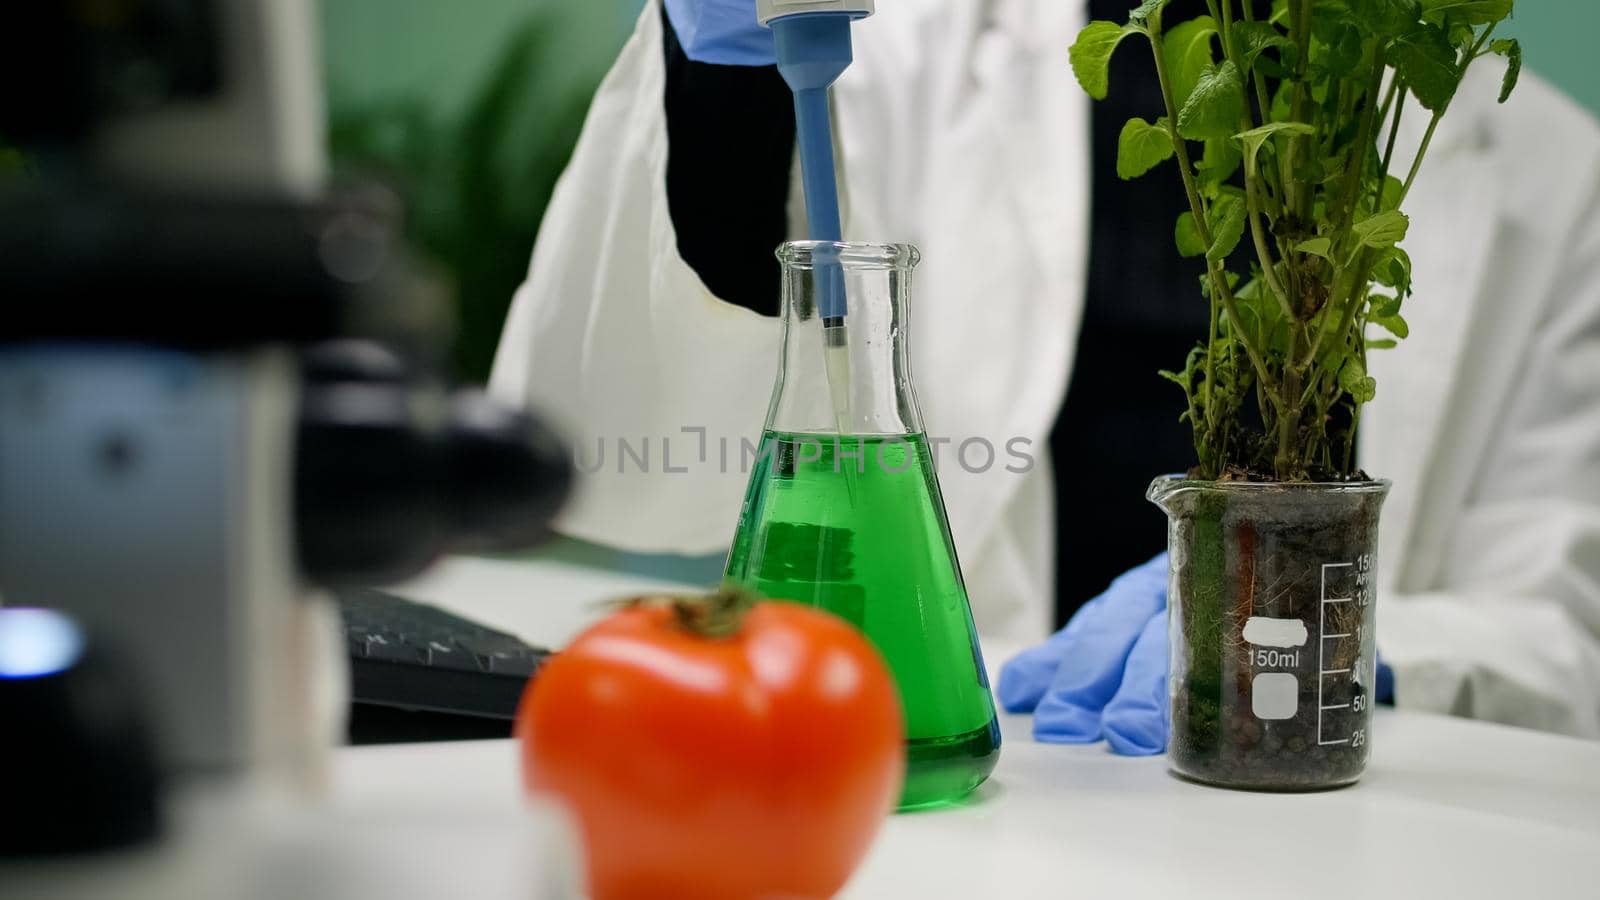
[856, 526]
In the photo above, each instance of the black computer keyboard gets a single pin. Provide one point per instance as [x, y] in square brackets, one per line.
[418, 657]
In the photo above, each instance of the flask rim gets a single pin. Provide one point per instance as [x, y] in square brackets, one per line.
[849, 254]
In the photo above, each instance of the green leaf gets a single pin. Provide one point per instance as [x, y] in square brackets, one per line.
[1394, 324]
[1382, 344]
[1355, 381]
[1220, 160]
[1188, 377]
[1466, 12]
[1387, 18]
[1388, 308]
[1187, 236]
[1345, 54]
[1392, 189]
[1251, 39]
[1426, 59]
[1142, 147]
[1393, 269]
[1326, 16]
[1382, 230]
[1215, 106]
[1091, 55]
[1317, 171]
[1259, 315]
[1321, 246]
[1255, 137]
[1511, 49]
[1282, 101]
[1141, 14]
[1462, 37]
[1187, 51]
[1227, 227]
[1205, 283]
[1273, 69]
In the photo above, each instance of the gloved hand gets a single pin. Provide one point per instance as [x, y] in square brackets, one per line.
[1105, 674]
[723, 32]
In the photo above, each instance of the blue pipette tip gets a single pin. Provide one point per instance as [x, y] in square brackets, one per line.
[813, 50]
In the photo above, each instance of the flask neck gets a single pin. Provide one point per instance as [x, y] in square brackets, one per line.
[847, 374]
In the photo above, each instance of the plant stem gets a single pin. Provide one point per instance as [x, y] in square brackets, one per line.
[1350, 439]
[1180, 148]
[1346, 207]
[1394, 132]
[1296, 196]
[1364, 138]
[1359, 280]
[1219, 277]
[1226, 24]
[1252, 178]
[1269, 269]
[1211, 371]
[1243, 339]
[1389, 97]
[1264, 103]
[1256, 77]
[1416, 164]
[1433, 124]
[1288, 416]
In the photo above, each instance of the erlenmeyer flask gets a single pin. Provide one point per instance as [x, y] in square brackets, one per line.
[843, 511]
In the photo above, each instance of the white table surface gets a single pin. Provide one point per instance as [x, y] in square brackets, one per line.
[1448, 808]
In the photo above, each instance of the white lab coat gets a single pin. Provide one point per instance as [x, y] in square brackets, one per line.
[961, 130]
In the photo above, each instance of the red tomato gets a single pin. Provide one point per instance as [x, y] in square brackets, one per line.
[755, 765]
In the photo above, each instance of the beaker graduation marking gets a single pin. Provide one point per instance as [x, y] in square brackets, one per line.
[1322, 671]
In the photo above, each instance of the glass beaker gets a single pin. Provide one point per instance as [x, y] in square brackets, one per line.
[843, 510]
[1271, 607]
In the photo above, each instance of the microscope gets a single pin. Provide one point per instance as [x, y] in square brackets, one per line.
[218, 396]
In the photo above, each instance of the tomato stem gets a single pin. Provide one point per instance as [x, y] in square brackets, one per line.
[715, 615]
[718, 614]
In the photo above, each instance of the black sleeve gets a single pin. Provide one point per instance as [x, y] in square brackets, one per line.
[730, 140]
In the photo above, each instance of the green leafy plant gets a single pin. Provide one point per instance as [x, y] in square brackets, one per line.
[1283, 121]
[477, 184]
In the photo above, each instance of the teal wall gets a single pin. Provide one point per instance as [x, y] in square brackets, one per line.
[376, 50]
[1558, 42]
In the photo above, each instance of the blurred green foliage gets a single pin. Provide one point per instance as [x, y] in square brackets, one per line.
[476, 172]
[12, 163]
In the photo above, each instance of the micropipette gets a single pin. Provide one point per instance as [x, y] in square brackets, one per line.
[812, 43]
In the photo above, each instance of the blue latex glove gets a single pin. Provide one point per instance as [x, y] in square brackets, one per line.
[1105, 674]
[1383, 688]
[724, 32]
